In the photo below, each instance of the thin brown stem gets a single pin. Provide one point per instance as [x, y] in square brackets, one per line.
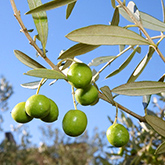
[31, 41]
[139, 24]
[140, 118]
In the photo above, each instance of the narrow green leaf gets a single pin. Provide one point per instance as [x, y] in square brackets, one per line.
[115, 18]
[107, 92]
[140, 67]
[163, 9]
[41, 22]
[46, 73]
[50, 5]
[70, 9]
[147, 20]
[140, 88]
[100, 60]
[25, 59]
[113, 3]
[32, 85]
[77, 50]
[156, 123]
[160, 149]
[106, 35]
[125, 63]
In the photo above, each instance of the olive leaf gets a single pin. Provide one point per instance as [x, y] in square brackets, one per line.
[106, 35]
[46, 73]
[50, 5]
[113, 3]
[140, 88]
[107, 93]
[25, 59]
[140, 67]
[156, 123]
[146, 101]
[125, 63]
[77, 50]
[160, 149]
[70, 9]
[32, 85]
[147, 20]
[163, 9]
[115, 18]
[100, 60]
[41, 22]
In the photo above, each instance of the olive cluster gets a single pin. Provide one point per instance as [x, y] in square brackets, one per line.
[75, 121]
[37, 106]
[80, 76]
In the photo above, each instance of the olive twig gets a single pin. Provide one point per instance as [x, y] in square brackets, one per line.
[109, 62]
[139, 24]
[74, 101]
[31, 41]
[140, 118]
[40, 84]
[116, 117]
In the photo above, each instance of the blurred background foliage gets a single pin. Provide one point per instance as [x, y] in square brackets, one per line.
[57, 148]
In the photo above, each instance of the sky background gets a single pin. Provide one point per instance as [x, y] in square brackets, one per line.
[86, 12]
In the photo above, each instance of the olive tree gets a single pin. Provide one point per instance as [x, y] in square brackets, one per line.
[90, 38]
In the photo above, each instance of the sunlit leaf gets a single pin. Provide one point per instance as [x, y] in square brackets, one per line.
[25, 59]
[32, 85]
[107, 92]
[125, 63]
[156, 123]
[147, 20]
[70, 9]
[134, 10]
[50, 5]
[106, 35]
[143, 63]
[41, 22]
[140, 88]
[146, 101]
[100, 60]
[77, 50]
[46, 73]
[160, 149]
[115, 18]
[113, 3]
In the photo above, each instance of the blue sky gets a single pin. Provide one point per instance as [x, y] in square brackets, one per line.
[86, 12]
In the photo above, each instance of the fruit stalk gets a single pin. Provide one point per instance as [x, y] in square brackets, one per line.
[140, 118]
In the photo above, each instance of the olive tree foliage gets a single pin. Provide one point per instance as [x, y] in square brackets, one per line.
[90, 38]
[6, 91]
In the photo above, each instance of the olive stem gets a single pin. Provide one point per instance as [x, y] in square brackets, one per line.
[74, 101]
[139, 24]
[140, 118]
[31, 41]
[40, 84]
[109, 62]
[116, 117]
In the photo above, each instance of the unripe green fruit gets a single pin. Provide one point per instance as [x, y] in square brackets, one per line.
[87, 96]
[53, 114]
[19, 115]
[37, 106]
[117, 135]
[74, 123]
[79, 75]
